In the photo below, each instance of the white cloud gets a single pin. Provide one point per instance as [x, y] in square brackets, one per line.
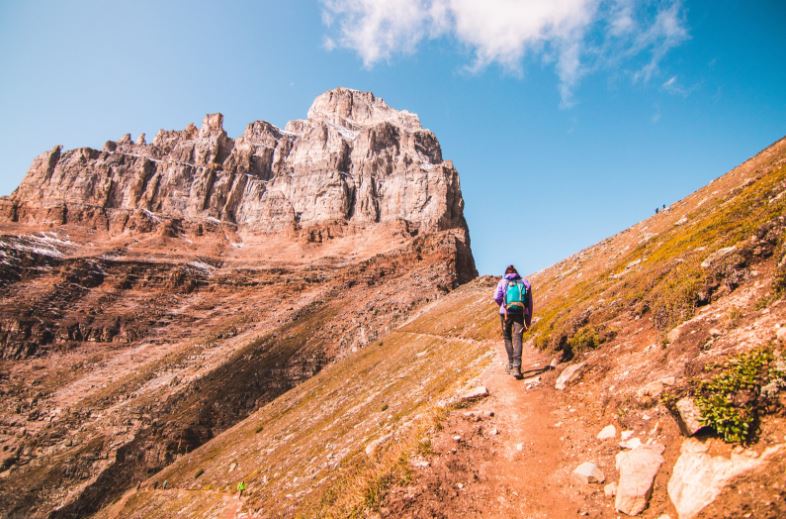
[674, 86]
[577, 36]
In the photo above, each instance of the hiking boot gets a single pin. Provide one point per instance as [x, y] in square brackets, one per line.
[516, 372]
[509, 369]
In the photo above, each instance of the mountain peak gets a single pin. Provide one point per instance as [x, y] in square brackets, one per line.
[352, 108]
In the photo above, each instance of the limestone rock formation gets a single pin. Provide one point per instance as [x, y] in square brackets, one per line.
[353, 160]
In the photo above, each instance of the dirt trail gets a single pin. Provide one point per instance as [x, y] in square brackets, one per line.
[525, 471]
[514, 457]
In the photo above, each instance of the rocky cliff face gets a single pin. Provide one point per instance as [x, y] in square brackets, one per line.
[153, 294]
[353, 160]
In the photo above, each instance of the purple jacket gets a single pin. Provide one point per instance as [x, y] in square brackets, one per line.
[499, 296]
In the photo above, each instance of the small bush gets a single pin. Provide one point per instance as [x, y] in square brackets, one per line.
[731, 401]
[586, 337]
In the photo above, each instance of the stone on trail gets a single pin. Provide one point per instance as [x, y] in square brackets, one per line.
[610, 490]
[568, 375]
[689, 416]
[698, 478]
[637, 468]
[476, 393]
[588, 472]
[607, 433]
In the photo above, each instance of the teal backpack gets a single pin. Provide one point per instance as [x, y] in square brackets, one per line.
[515, 296]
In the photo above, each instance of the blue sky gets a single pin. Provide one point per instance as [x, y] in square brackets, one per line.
[586, 114]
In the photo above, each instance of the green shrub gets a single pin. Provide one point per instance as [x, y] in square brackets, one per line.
[731, 401]
[586, 337]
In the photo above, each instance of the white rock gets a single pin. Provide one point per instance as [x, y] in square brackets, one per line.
[568, 375]
[419, 463]
[588, 472]
[531, 382]
[610, 490]
[698, 478]
[718, 254]
[689, 416]
[631, 443]
[456, 437]
[519, 447]
[637, 468]
[607, 433]
[626, 435]
[476, 393]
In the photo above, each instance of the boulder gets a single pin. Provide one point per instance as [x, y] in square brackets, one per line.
[698, 478]
[688, 416]
[569, 374]
[637, 468]
[588, 472]
[607, 433]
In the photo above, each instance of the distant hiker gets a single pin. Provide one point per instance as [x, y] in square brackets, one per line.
[514, 297]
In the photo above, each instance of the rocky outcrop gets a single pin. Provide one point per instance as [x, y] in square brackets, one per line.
[353, 160]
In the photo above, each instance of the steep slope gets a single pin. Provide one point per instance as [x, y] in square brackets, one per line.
[327, 447]
[152, 295]
[653, 314]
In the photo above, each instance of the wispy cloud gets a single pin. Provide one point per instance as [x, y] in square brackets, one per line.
[577, 36]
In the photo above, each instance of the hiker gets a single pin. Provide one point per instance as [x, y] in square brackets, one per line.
[514, 297]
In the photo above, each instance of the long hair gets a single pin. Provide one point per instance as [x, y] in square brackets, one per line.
[511, 270]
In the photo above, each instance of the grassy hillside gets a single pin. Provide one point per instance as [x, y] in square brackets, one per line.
[674, 297]
[306, 452]
[669, 265]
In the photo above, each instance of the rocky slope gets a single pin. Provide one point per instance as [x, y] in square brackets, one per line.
[153, 295]
[679, 317]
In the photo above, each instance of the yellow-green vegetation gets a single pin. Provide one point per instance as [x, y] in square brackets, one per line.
[663, 275]
[732, 400]
[333, 445]
[734, 395]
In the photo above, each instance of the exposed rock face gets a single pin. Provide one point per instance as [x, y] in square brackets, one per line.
[154, 294]
[352, 160]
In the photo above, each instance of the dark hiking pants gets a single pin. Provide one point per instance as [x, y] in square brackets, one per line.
[512, 331]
